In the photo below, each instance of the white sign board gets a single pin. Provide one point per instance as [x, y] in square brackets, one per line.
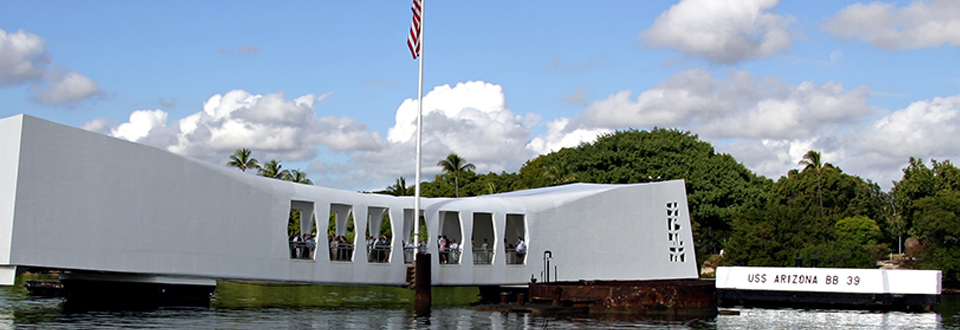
[882, 281]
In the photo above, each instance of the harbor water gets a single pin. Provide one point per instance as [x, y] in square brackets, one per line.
[272, 306]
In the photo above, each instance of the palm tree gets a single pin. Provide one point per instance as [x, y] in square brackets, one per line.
[455, 165]
[241, 159]
[560, 174]
[297, 176]
[812, 160]
[491, 187]
[272, 169]
[399, 188]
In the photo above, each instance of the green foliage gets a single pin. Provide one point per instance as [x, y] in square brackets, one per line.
[455, 166]
[293, 225]
[858, 229]
[296, 176]
[399, 188]
[920, 181]
[241, 159]
[825, 214]
[838, 254]
[273, 169]
[716, 184]
[937, 222]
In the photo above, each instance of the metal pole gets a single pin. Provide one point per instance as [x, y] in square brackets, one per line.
[416, 199]
[422, 276]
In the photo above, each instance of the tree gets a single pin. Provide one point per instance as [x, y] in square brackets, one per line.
[241, 159]
[399, 188]
[273, 169]
[937, 222]
[455, 165]
[560, 174]
[812, 161]
[716, 183]
[296, 176]
[787, 221]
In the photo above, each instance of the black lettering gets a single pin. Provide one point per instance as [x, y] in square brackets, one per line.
[763, 278]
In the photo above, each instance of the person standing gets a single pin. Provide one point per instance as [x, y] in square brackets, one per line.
[520, 250]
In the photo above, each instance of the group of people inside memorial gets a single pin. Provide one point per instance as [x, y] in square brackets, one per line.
[449, 250]
[340, 248]
[303, 246]
[378, 249]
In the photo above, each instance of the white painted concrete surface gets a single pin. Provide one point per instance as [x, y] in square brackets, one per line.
[76, 200]
[880, 281]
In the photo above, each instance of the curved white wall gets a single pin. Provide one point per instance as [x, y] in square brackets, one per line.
[79, 200]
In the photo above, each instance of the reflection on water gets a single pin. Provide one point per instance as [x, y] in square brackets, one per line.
[259, 306]
[827, 319]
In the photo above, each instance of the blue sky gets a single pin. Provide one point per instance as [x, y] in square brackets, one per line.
[321, 85]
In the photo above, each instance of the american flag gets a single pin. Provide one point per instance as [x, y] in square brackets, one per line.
[413, 40]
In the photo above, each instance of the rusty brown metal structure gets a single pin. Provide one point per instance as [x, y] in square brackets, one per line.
[666, 297]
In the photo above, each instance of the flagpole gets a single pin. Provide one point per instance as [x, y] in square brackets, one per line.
[416, 199]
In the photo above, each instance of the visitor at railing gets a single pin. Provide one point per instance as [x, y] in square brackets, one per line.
[516, 254]
[449, 251]
[453, 252]
[302, 246]
[378, 250]
[340, 248]
[482, 255]
[442, 246]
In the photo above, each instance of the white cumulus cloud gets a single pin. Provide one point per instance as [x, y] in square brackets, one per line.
[920, 24]
[470, 119]
[24, 60]
[565, 132]
[924, 129]
[736, 106]
[271, 125]
[722, 31]
[765, 123]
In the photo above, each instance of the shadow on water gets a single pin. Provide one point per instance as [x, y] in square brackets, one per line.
[247, 295]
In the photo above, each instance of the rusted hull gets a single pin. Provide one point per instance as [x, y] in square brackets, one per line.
[668, 297]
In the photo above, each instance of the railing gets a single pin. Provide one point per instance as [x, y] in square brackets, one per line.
[302, 250]
[408, 253]
[482, 256]
[515, 257]
[450, 256]
[341, 252]
[378, 253]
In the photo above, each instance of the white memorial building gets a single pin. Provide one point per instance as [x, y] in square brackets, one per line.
[79, 201]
